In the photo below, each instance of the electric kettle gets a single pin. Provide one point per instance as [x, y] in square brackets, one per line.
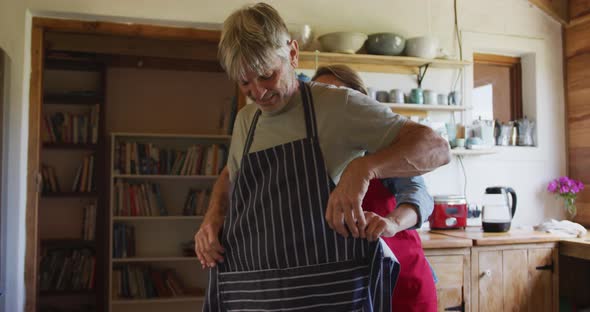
[497, 209]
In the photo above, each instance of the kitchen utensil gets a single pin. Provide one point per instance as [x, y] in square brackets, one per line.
[417, 96]
[454, 98]
[498, 210]
[450, 212]
[525, 132]
[505, 133]
[397, 96]
[302, 33]
[385, 44]
[342, 42]
[424, 47]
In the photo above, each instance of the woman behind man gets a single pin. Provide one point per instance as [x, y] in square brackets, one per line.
[415, 290]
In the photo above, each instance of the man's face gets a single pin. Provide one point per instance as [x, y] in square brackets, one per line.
[272, 90]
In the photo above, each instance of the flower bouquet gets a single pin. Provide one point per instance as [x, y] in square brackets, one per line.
[567, 189]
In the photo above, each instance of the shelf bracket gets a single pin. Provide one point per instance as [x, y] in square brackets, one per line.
[421, 73]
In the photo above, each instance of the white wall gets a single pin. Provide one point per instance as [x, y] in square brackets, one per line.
[511, 24]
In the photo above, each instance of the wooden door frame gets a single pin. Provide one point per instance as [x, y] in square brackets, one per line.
[40, 26]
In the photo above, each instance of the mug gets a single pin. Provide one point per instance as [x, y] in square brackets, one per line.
[443, 99]
[397, 96]
[430, 97]
[417, 96]
[454, 98]
[382, 96]
[460, 142]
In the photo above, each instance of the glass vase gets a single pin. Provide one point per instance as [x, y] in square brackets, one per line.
[570, 207]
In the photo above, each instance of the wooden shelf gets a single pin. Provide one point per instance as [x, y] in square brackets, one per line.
[52, 63]
[426, 107]
[165, 177]
[69, 195]
[72, 99]
[68, 243]
[160, 300]
[133, 136]
[157, 218]
[472, 152]
[153, 259]
[69, 146]
[375, 63]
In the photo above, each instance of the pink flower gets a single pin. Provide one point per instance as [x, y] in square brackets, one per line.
[552, 187]
[580, 185]
[564, 189]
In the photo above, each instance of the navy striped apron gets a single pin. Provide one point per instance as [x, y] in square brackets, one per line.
[280, 253]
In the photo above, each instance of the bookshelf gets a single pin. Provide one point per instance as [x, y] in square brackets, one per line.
[159, 188]
[71, 205]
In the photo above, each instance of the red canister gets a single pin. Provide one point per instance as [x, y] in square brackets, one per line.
[450, 212]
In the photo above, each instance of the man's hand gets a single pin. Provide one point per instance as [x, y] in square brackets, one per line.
[207, 245]
[344, 204]
[379, 226]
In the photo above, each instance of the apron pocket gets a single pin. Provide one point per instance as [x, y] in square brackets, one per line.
[340, 286]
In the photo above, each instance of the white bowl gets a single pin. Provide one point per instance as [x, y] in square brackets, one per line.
[302, 33]
[424, 47]
[342, 42]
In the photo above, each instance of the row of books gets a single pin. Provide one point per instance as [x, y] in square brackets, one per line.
[67, 269]
[89, 222]
[138, 199]
[141, 282]
[83, 182]
[123, 240]
[67, 127]
[196, 202]
[147, 158]
[50, 182]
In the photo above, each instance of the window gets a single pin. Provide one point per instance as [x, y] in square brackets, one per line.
[497, 87]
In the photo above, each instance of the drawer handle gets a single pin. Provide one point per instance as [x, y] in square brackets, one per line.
[486, 273]
[457, 308]
[547, 267]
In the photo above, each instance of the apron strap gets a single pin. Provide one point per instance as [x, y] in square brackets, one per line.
[309, 112]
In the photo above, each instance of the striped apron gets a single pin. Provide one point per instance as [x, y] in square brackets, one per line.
[280, 254]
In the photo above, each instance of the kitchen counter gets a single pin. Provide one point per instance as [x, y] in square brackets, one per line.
[576, 247]
[431, 240]
[514, 236]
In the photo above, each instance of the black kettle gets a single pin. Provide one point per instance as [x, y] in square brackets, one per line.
[498, 210]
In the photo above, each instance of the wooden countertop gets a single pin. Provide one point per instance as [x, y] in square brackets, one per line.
[432, 240]
[576, 247]
[513, 236]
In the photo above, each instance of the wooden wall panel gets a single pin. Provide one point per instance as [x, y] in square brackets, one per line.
[577, 40]
[577, 62]
[578, 8]
[557, 9]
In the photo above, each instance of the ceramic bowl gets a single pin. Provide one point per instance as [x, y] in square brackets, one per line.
[342, 42]
[424, 47]
[302, 33]
[385, 44]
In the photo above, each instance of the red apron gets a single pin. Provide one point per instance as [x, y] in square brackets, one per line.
[415, 290]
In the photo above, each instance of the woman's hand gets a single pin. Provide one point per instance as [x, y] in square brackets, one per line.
[344, 205]
[207, 245]
[379, 226]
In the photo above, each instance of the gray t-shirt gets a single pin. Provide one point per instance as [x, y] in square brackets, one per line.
[349, 124]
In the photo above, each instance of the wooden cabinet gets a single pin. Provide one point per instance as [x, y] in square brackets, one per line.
[451, 267]
[519, 277]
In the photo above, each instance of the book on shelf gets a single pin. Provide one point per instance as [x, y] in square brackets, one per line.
[147, 159]
[89, 222]
[138, 199]
[69, 127]
[49, 179]
[196, 202]
[123, 240]
[67, 269]
[136, 281]
[83, 182]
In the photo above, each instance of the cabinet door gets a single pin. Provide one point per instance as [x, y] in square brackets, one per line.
[540, 271]
[490, 286]
[515, 280]
[449, 288]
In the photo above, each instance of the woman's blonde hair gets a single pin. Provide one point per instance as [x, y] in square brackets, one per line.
[251, 39]
[345, 74]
